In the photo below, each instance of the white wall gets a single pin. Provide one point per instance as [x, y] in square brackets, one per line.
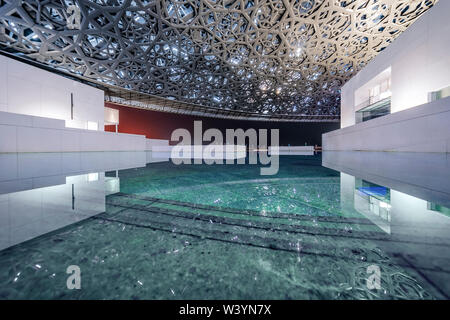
[424, 128]
[23, 133]
[292, 150]
[111, 116]
[362, 94]
[150, 143]
[28, 90]
[419, 60]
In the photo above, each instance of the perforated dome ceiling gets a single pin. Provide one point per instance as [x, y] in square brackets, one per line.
[278, 58]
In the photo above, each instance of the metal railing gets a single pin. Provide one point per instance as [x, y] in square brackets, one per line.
[374, 110]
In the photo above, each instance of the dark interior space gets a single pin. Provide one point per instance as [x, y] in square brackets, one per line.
[160, 125]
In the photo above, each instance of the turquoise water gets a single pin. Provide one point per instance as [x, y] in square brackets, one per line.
[225, 232]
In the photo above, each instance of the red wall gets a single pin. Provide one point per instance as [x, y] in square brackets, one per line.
[152, 124]
[160, 125]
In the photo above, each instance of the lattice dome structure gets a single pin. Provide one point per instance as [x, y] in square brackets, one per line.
[264, 57]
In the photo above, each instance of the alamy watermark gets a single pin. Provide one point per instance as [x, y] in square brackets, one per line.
[373, 281]
[74, 280]
[189, 150]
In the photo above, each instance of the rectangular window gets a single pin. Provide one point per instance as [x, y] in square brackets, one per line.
[376, 110]
[438, 208]
[374, 202]
[92, 177]
[373, 99]
[91, 125]
[440, 94]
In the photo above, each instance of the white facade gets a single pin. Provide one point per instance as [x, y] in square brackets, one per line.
[24, 133]
[410, 71]
[152, 143]
[28, 90]
[419, 63]
[424, 128]
[44, 112]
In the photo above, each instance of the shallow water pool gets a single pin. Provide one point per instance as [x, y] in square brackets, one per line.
[324, 227]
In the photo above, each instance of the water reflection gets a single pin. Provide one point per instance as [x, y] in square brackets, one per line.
[408, 197]
[25, 215]
[373, 202]
[308, 232]
[25, 171]
[43, 192]
[423, 175]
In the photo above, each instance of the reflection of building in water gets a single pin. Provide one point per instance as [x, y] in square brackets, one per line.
[27, 214]
[393, 211]
[416, 231]
[378, 204]
[42, 192]
[112, 182]
[373, 201]
[439, 208]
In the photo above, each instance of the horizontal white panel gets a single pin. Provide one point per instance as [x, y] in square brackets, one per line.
[16, 119]
[420, 129]
[41, 122]
[38, 140]
[8, 138]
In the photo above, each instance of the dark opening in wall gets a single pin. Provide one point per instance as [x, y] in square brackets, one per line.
[160, 125]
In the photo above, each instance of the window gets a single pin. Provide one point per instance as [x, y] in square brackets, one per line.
[439, 208]
[440, 94]
[373, 99]
[91, 125]
[376, 110]
[92, 176]
[374, 202]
